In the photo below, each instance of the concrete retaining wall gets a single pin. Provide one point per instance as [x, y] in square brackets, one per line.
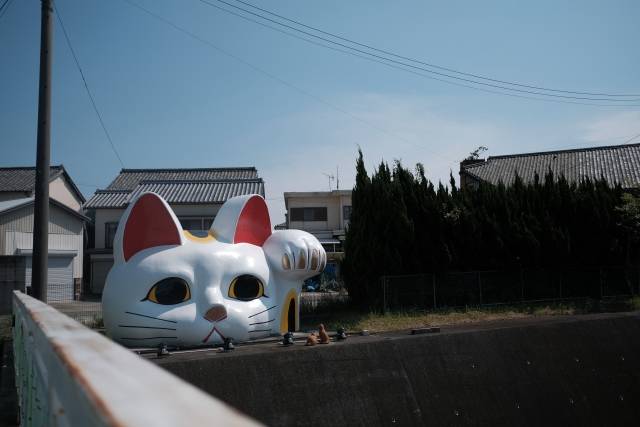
[579, 371]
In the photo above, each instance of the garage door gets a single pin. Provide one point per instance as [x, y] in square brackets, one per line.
[60, 278]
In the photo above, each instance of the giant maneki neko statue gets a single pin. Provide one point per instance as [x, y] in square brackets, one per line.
[241, 281]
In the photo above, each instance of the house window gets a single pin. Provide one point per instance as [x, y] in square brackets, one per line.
[308, 214]
[109, 233]
[196, 225]
[346, 213]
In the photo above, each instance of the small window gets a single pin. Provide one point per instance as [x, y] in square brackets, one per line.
[309, 214]
[346, 213]
[109, 234]
[196, 225]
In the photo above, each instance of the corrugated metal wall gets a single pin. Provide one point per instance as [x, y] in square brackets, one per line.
[65, 233]
[57, 242]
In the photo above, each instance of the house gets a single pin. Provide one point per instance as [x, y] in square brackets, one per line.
[66, 231]
[325, 214]
[617, 164]
[195, 195]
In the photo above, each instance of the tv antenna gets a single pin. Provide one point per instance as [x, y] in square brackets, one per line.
[330, 177]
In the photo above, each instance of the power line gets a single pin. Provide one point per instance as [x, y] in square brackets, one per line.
[397, 67]
[276, 78]
[533, 92]
[631, 139]
[5, 7]
[86, 86]
[422, 62]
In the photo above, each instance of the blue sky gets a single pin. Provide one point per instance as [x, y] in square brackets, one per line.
[170, 101]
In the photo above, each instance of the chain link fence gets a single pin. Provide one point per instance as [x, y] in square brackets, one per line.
[86, 311]
[485, 288]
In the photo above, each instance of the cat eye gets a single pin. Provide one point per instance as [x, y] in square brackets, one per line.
[170, 291]
[246, 288]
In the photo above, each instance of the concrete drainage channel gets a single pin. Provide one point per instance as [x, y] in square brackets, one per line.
[579, 370]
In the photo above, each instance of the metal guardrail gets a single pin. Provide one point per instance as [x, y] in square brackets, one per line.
[69, 375]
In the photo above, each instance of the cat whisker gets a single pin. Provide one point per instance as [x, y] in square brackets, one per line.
[149, 338]
[145, 327]
[263, 311]
[261, 323]
[150, 317]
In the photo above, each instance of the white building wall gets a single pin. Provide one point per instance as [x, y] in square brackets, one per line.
[104, 216]
[60, 190]
[65, 233]
[333, 203]
[19, 242]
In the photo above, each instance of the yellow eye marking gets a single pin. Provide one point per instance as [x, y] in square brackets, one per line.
[151, 296]
[208, 238]
[233, 292]
[232, 288]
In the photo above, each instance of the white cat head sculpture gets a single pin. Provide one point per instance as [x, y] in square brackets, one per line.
[242, 281]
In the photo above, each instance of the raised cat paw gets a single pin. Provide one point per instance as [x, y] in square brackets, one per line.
[295, 252]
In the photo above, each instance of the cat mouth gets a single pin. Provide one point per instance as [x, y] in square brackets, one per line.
[214, 329]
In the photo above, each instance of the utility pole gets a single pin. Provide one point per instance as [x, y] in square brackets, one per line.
[39, 264]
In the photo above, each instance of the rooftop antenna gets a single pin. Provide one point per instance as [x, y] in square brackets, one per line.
[337, 178]
[331, 178]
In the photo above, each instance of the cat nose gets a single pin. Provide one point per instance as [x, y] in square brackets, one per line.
[216, 313]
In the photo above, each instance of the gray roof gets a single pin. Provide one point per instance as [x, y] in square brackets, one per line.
[108, 199]
[22, 178]
[200, 191]
[10, 205]
[15, 179]
[175, 189]
[618, 164]
[128, 179]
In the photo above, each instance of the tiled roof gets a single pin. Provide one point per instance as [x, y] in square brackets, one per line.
[128, 179]
[22, 178]
[617, 164]
[108, 199]
[200, 191]
[198, 188]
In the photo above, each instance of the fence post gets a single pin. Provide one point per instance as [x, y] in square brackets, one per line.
[384, 294]
[601, 282]
[480, 286]
[560, 273]
[433, 282]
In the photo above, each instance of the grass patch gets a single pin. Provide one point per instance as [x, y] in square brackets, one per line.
[402, 320]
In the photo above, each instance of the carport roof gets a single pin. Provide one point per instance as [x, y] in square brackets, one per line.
[7, 206]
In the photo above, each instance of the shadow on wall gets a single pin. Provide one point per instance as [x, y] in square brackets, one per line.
[577, 371]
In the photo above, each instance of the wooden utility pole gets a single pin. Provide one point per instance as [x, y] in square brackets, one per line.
[39, 264]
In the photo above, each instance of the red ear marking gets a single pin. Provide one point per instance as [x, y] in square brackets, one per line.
[149, 225]
[254, 225]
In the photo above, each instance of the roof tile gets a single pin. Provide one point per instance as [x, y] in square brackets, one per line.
[617, 164]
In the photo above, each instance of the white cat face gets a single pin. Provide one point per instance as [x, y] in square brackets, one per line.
[241, 282]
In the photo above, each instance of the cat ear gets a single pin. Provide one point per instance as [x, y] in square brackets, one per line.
[148, 222]
[243, 219]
